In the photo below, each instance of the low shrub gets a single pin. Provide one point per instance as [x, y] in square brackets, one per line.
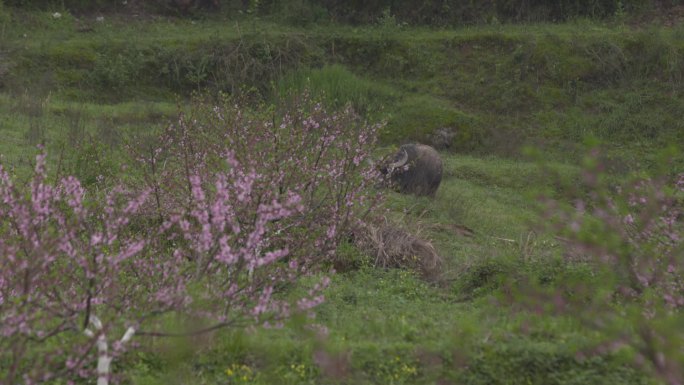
[522, 360]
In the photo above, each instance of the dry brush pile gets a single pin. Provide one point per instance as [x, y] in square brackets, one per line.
[399, 244]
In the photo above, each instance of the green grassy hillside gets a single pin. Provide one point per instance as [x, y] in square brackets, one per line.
[498, 87]
[86, 88]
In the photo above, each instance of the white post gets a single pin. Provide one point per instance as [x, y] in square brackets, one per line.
[103, 359]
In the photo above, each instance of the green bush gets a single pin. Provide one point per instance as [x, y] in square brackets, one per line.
[417, 117]
[526, 361]
[453, 12]
[337, 86]
[63, 4]
[427, 12]
[295, 12]
[91, 162]
[484, 277]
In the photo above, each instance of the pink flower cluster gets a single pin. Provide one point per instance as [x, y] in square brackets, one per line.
[634, 232]
[233, 205]
[61, 260]
[324, 157]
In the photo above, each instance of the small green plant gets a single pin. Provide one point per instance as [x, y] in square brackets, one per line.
[620, 12]
[387, 21]
[337, 86]
[239, 374]
[113, 73]
[253, 7]
[91, 161]
[391, 367]
[297, 373]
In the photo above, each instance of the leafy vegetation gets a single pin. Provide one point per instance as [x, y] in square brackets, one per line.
[430, 12]
[511, 303]
[497, 87]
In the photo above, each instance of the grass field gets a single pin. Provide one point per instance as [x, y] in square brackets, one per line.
[505, 90]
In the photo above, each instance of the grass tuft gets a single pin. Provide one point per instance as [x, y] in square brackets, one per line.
[394, 245]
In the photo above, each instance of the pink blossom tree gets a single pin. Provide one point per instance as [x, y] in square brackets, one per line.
[632, 235]
[78, 274]
[233, 207]
[323, 156]
[61, 270]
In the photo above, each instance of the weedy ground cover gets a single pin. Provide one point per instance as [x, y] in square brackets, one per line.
[500, 88]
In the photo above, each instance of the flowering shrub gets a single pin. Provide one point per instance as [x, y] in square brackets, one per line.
[234, 207]
[633, 236]
[66, 264]
[322, 156]
[75, 273]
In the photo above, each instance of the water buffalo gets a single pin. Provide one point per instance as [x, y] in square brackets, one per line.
[415, 169]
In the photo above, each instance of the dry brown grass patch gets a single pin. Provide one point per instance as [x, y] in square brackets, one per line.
[399, 245]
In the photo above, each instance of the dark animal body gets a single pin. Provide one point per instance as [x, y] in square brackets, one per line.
[415, 169]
